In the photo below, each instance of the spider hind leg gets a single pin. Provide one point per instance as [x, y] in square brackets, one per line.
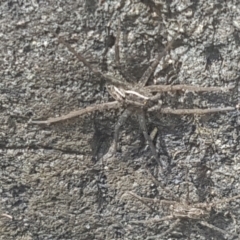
[143, 126]
[122, 119]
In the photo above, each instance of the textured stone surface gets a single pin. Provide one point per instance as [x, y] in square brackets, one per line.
[55, 181]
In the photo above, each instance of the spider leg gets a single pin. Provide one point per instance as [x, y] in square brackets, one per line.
[160, 236]
[142, 123]
[215, 203]
[122, 119]
[151, 200]
[183, 87]
[6, 215]
[144, 79]
[190, 111]
[80, 112]
[142, 199]
[204, 223]
[154, 220]
[187, 182]
[117, 57]
[225, 200]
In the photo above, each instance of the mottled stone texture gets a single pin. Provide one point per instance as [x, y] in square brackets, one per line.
[55, 181]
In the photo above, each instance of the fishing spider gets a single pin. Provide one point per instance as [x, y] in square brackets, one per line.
[179, 211]
[138, 99]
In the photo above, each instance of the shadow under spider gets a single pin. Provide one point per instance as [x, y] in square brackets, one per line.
[138, 99]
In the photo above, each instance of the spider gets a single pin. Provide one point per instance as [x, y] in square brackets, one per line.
[138, 99]
[178, 211]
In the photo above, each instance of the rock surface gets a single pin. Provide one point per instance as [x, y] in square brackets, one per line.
[57, 181]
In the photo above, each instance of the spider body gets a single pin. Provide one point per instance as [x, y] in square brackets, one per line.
[196, 212]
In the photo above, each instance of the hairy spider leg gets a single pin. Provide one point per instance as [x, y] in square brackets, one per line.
[80, 112]
[190, 111]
